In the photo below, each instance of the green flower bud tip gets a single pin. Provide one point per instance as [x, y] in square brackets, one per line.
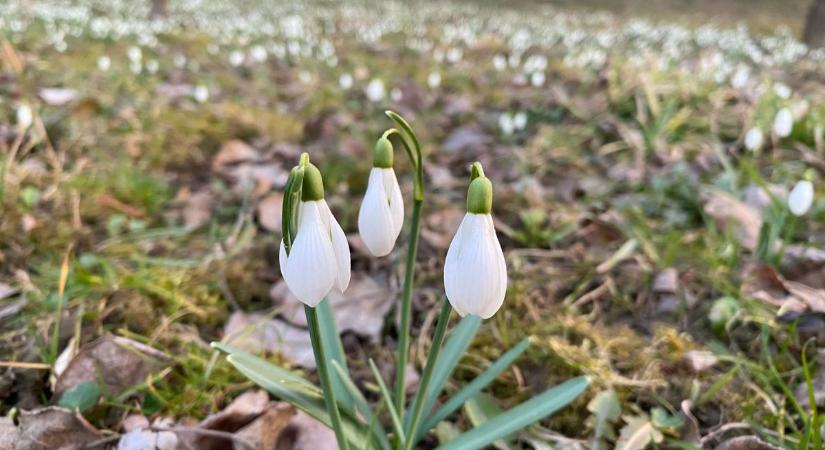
[304, 159]
[382, 154]
[313, 187]
[480, 196]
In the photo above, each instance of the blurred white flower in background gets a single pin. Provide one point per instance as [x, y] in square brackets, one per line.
[345, 81]
[782, 90]
[520, 120]
[537, 79]
[258, 54]
[24, 116]
[134, 54]
[505, 123]
[434, 79]
[236, 58]
[104, 63]
[500, 62]
[152, 66]
[783, 123]
[201, 93]
[179, 61]
[375, 90]
[454, 55]
[740, 77]
[396, 95]
[801, 197]
[754, 139]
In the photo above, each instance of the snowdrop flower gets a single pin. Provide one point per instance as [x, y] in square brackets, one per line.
[783, 123]
[201, 93]
[104, 63]
[520, 120]
[345, 81]
[505, 123]
[236, 58]
[258, 54]
[382, 211]
[134, 54]
[754, 139]
[375, 90]
[319, 258]
[24, 117]
[500, 62]
[396, 95]
[740, 77]
[475, 273]
[537, 79]
[782, 90]
[152, 66]
[801, 197]
[434, 80]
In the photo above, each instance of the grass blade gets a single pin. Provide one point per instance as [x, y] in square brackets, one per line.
[475, 386]
[396, 420]
[362, 406]
[334, 351]
[519, 417]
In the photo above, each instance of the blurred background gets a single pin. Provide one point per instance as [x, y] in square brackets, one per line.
[657, 172]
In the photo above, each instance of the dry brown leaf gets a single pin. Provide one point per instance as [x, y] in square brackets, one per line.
[265, 432]
[360, 309]
[116, 361]
[467, 138]
[440, 226]
[729, 212]
[309, 434]
[232, 153]
[51, 428]
[197, 209]
[269, 211]
[245, 409]
[763, 283]
[666, 281]
[257, 333]
[745, 443]
[700, 360]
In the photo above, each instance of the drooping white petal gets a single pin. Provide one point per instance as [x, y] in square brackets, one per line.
[754, 139]
[382, 212]
[340, 246]
[475, 274]
[310, 270]
[801, 198]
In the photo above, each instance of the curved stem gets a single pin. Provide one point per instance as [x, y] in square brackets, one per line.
[326, 378]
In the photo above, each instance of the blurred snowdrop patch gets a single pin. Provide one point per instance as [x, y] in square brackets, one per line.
[783, 123]
[375, 90]
[754, 139]
[200, 93]
[345, 81]
[434, 80]
[505, 123]
[104, 63]
[24, 116]
[782, 91]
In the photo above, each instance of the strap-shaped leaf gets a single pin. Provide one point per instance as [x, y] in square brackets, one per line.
[519, 417]
[287, 378]
[449, 357]
[362, 406]
[475, 386]
[334, 351]
[313, 406]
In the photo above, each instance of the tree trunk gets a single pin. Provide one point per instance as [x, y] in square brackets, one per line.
[814, 34]
[159, 9]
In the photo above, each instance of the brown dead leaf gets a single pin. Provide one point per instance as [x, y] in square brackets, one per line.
[116, 361]
[232, 153]
[729, 212]
[360, 309]
[700, 360]
[763, 283]
[269, 211]
[257, 333]
[308, 434]
[440, 226]
[245, 409]
[467, 138]
[197, 209]
[51, 428]
[745, 443]
[266, 431]
[666, 281]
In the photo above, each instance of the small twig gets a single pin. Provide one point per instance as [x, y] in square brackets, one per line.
[25, 365]
[722, 430]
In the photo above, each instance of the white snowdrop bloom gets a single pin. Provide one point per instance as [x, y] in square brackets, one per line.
[345, 81]
[475, 273]
[179, 61]
[319, 258]
[520, 120]
[375, 90]
[396, 95]
[434, 80]
[201, 93]
[24, 116]
[783, 123]
[134, 54]
[454, 55]
[782, 90]
[537, 79]
[135, 67]
[505, 123]
[104, 63]
[500, 62]
[236, 58]
[740, 77]
[382, 210]
[152, 66]
[754, 139]
[258, 54]
[801, 197]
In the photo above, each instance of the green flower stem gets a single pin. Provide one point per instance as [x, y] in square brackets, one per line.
[417, 407]
[326, 378]
[406, 310]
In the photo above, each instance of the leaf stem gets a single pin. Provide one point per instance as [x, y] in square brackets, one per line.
[326, 379]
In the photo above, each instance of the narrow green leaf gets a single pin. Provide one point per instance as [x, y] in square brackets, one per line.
[361, 405]
[519, 417]
[334, 350]
[482, 408]
[287, 378]
[81, 396]
[475, 386]
[396, 420]
[450, 355]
